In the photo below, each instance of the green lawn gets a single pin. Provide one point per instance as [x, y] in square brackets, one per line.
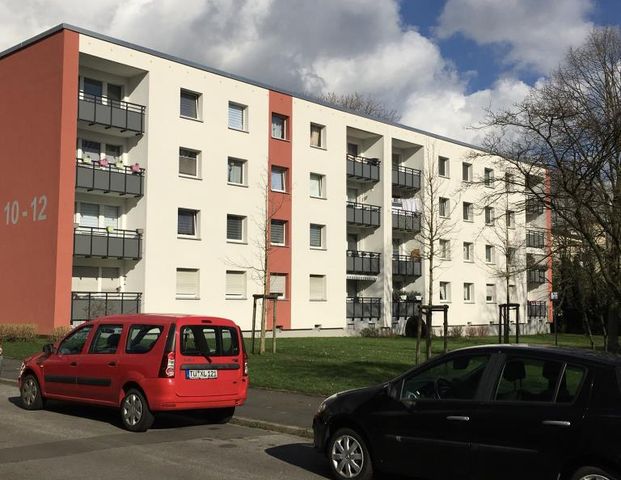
[21, 350]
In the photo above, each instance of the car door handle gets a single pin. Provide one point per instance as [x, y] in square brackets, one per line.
[112, 364]
[557, 423]
[73, 364]
[458, 418]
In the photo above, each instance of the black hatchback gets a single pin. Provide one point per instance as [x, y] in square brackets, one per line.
[504, 412]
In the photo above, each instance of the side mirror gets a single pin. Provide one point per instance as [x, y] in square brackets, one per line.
[48, 348]
[409, 403]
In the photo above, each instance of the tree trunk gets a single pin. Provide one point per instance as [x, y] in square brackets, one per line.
[587, 328]
[613, 329]
[604, 331]
[419, 331]
[429, 325]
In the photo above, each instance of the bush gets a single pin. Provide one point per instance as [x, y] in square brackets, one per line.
[59, 333]
[21, 332]
[456, 331]
[477, 331]
[374, 332]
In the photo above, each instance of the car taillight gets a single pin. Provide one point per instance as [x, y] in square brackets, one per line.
[170, 365]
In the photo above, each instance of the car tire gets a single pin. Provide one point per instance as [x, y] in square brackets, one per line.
[349, 456]
[30, 393]
[592, 473]
[135, 413]
[220, 415]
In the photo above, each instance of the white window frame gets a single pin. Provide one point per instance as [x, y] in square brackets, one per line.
[444, 162]
[243, 221]
[244, 169]
[242, 294]
[103, 153]
[468, 292]
[445, 249]
[468, 209]
[100, 278]
[284, 232]
[283, 172]
[445, 291]
[322, 296]
[468, 252]
[322, 136]
[244, 116]
[444, 207]
[321, 181]
[510, 219]
[198, 101]
[489, 216]
[188, 295]
[322, 236]
[197, 223]
[197, 158]
[101, 216]
[488, 177]
[285, 125]
[467, 167]
[491, 259]
[282, 295]
[490, 297]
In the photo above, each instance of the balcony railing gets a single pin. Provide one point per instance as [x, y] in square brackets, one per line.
[363, 169]
[537, 309]
[536, 276]
[121, 180]
[107, 242]
[534, 206]
[125, 116]
[406, 266]
[363, 215]
[404, 309]
[89, 305]
[366, 263]
[364, 308]
[405, 220]
[535, 239]
[406, 178]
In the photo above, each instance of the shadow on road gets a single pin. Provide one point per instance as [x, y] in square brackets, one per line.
[302, 455]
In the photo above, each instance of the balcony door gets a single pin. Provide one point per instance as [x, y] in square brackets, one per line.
[93, 215]
[95, 279]
[352, 242]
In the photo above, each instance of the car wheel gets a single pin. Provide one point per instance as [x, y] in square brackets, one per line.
[592, 473]
[349, 456]
[135, 412]
[30, 393]
[220, 415]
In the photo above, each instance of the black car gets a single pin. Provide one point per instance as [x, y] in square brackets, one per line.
[482, 413]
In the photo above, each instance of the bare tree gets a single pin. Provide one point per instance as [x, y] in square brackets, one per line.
[360, 103]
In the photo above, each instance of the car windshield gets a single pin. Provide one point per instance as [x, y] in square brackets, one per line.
[209, 341]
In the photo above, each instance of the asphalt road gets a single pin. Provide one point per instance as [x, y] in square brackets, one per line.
[69, 441]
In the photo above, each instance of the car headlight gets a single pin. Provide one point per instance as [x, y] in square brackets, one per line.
[326, 402]
[22, 367]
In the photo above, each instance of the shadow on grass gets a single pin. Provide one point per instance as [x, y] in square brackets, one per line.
[301, 455]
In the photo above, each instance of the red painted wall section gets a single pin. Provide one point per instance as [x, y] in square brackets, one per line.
[279, 204]
[38, 121]
[548, 212]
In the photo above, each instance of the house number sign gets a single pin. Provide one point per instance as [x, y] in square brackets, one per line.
[35, 212]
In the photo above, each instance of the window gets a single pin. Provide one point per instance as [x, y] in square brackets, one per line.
[489, 254]
[317, 286]
[279, 126]
[278, 285]
[317, 237]
[93, 88]
[95, 279]
[279, 179]
[187, 222]
[203, 341]
[237, 171]
[490, 293]
[277, 232]
[534, 380]
[235, 228]
[238, 116]
[488, 177]
[443, 166]
[445, 291]
[317, 185]
[188, 162]
[114, 154]
[468, 252]
[106, 339]
[187, 283]
[489, 216]
[93, 215]
[535, 239]
[188, 106]
[235, 284]
[570, 384]
[352, 149]
[511, 252]
[468, 212]
[466, 172]
[91, 151]
[510, 219]
[142, 338]
[445, 249]
[444, 207]
[115, 92]
[510, 182]
[469, 292]
[512, 293]
[317, 134]
[74, 343]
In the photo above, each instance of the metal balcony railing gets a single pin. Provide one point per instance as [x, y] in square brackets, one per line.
[363, 215]
[365, 263]
[99, 110]
[536, 276]
[405, 220]
[90, 305]
[107, 242]
[534, 206]
[406, 178]
[406, 266]
[364, 308]
[120, 180]
[404, 309]
[537, 309]
[363, 169]
[535, 239]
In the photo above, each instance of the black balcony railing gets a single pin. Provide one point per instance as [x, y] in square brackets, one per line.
[121, 180]
[363, 169]
[406, 266]
[404, 309]
[125, 116]
[107, 242]
[534, 206]
[537, 309]
[363, 215]
[405, 178]
[535, 239]
[405, 220]
[364, 308]
[90, 305]
[536, 276]
[366, 263]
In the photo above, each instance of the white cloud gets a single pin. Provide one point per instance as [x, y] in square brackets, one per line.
[535, 33]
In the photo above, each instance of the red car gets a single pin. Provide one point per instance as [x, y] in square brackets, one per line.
[143, 364]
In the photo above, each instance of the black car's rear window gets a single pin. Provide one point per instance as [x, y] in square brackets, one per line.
[213, 341]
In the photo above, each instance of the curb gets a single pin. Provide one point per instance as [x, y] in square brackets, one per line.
[8, 381]
[273, 427]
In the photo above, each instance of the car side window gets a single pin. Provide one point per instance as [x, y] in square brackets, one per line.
[571, 382]
[142, 338]
[74, 343]
[106, 339]
[454, 379]
[528, 380]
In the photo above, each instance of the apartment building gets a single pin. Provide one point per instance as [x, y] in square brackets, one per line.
[136, 181]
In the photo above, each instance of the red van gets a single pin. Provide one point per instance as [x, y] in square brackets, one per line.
[143, 364]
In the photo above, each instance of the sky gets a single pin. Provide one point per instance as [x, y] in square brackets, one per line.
[441, 63]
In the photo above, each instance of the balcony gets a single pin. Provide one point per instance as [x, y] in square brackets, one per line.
[364, 263]
[405, 178]
[106, 178]
[404, 309]
[363, 169]
[534, 206]
[537, 310]
[535, 239]
[536, 276]
[89, 305]
[364, 308]
[406, 266]
[362, 215]
[125, 117]
[405, 220]
[107, 243]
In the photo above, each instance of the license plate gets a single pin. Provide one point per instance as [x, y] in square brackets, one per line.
[200, 374]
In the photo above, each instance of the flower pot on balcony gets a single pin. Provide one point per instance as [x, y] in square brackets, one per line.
[136, 168]
[103, 162]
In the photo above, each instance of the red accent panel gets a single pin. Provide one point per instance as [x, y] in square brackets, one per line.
[549, 248]
[38, 118]
[279, 204]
